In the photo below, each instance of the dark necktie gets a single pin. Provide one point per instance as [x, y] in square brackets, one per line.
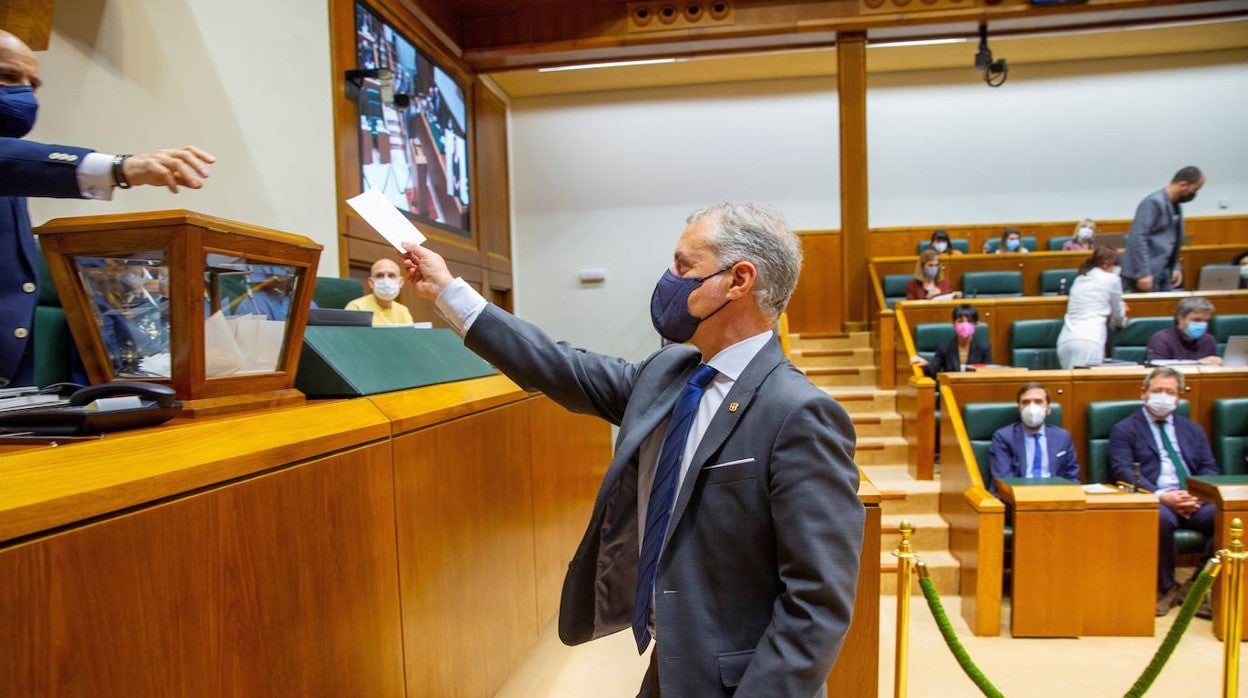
[1179, 469]
[662, 494]
[1037, 460]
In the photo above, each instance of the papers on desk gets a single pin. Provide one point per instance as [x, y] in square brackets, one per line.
[377, 211]
[25, 402]
[1098, 488]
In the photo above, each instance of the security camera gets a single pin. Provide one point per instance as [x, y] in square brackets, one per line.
[995, 72]
[385, 76]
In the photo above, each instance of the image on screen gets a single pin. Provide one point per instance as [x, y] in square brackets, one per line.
[417, 155]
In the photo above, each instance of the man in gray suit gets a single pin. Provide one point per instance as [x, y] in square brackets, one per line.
[728, 526]
[1151, 260]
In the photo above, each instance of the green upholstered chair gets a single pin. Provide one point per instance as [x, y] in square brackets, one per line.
[959, 244]
[1028, 241]
[895, 287]
[928, 335]
[53, 343]
[1131, 341]
[1230, 435]
[332, 292]
[1051, 281]
[992, 284]
[1101, 418]
[1033, 343]
[1055, 243]
[1223, 327]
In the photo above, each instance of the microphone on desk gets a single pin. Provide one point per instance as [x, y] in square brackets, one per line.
[1135, 476]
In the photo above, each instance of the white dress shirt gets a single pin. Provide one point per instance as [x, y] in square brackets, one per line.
[1168, 478]
[95, 176]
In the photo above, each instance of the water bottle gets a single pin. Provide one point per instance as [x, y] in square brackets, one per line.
[1061, 287]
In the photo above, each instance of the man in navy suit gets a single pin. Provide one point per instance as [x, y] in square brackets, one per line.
[1168, 448]
[1029, 447]
[37, 169]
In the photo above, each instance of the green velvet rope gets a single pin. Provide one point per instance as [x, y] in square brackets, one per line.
[1194, 597]
[951, 639]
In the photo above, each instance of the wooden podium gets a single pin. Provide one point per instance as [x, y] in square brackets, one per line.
[1229, 495]
[144, 292]
[1084, 564]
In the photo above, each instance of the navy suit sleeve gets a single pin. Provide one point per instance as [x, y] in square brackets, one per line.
[1068, 463]
[28, 168]
[1126, 445]
[1001, 456]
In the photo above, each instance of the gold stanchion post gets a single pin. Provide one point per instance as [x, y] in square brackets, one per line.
[905, 567]
[1234, 558]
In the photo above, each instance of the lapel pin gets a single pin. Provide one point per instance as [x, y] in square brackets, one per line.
[734, 406]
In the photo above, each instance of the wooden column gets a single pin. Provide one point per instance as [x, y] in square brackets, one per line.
[851, 89]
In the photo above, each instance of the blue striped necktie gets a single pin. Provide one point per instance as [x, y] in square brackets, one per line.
[662, 495]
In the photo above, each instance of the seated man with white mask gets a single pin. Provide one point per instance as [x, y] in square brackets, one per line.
[1168, 448]
[384, 281]
[1029, 447]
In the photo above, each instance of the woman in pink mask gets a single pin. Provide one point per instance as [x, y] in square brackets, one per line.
[961, 351]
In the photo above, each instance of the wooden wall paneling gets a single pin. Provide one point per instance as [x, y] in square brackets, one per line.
[278, 585]
[851, 90]
[465, 545]
[570, 453]
[491, 186]
[857, 669]
[817, 306]
[28, 20]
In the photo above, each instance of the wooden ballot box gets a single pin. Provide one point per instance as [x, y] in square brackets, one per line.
[214, 308]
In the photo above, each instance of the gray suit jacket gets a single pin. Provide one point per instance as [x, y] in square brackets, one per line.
[756, 581]
[1152, 247]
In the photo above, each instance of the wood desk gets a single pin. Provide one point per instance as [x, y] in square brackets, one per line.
[1084, 564]
[1229, 494]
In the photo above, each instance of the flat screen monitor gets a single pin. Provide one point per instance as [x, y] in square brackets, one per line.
[416, 155]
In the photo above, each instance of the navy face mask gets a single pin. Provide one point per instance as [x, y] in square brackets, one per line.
[669, 306]
[18, 108]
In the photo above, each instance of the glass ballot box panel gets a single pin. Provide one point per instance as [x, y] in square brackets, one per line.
[246, 306]
[129, 301]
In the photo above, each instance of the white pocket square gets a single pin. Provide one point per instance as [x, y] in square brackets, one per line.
[731, 462]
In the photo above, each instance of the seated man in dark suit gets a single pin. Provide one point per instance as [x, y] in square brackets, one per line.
[1029, 447]
[1165, 448]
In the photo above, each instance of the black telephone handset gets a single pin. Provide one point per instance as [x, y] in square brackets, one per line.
[157, 404]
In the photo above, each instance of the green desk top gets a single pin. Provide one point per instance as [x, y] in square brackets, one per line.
[1221, 479]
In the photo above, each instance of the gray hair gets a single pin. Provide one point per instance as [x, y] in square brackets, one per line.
[1163, 372]
[758, 235]
[1193, 304]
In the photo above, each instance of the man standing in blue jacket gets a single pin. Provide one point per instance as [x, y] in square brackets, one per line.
[28, 168]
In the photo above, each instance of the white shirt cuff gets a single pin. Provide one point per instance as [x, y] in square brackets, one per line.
[459, 304]
[95, 176]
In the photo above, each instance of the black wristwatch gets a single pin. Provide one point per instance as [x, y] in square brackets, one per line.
[119, 172]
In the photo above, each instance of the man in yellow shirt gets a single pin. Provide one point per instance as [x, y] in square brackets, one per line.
[384, 281]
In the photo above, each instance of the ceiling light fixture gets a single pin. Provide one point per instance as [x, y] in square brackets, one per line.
[613, 64]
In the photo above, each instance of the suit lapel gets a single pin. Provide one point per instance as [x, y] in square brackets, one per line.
[725, 422]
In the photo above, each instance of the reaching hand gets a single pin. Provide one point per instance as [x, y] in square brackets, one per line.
[1176, 278]
[186, 166]
[426, 270]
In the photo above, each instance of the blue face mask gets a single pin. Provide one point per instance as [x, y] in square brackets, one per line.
[1196, 330]
[931, 272]
[669, 306]
[1012, 245]
[18, 108]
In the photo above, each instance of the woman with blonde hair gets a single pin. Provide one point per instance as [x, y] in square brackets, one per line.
[929, 278]
[1085, 230]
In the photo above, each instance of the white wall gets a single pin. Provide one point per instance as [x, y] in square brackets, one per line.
[606, 179]
[247, 81]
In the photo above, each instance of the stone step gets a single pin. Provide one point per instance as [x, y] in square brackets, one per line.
[880, 450]
[818, 358]
[930, 534]
[844, 340]
[860, 399]
[942, 567]
[877, 424]
[901, 493]
[857, 376]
